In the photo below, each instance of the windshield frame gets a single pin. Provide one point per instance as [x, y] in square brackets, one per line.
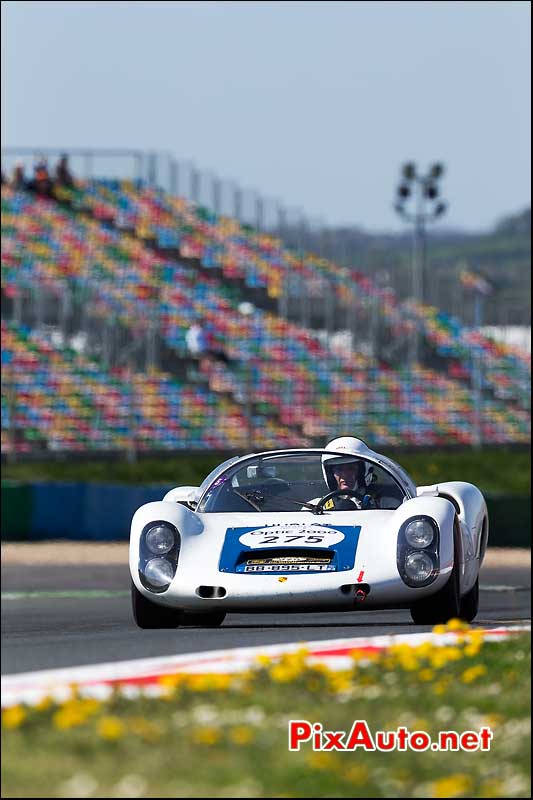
[226, 466]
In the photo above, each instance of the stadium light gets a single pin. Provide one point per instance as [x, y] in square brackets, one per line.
[247, 310]
[423, 191]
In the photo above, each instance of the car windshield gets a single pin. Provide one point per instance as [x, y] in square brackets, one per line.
[298, 481]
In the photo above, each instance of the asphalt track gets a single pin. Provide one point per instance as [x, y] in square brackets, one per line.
[73, 615]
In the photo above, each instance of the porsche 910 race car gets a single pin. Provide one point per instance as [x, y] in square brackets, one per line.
[340, 529]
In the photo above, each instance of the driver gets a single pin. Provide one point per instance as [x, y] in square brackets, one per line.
[353, 474]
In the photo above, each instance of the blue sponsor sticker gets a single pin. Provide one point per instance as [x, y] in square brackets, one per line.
[336, 543]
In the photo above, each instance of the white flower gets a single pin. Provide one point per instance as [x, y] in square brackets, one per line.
[205, 715]
[79, 785]
[445, 714]
[130, 786]
[254, 715]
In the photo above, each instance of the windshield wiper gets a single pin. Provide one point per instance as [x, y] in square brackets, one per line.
[310, 506]
[248, 498]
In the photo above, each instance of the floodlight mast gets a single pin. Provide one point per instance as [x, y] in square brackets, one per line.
[424, 191]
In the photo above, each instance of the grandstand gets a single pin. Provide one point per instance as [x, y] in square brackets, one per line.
[123, 270]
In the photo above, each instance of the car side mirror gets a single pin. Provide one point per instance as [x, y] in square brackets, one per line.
[187, 495]
[427, 491]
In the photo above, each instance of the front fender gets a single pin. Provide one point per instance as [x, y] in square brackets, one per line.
[186, 521]
[443, 512]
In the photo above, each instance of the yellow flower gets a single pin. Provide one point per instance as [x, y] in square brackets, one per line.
[340, 681]
[69, 716]
[356, 773]
[170, 681]
[319, 760]
[147, 730]
[472, 649]
[111, 728]
[441, 687]
[241, 735]
[13, 717]
[44, 703]
[424, 650]
[221, 681]
[200, 683]
[206, 735]
[493, 788]
[281, 674]
[457, 625]
[88, 706]
[426, 674]
[451, 786]
[453, 653]
[473, 673]
[442, 655]
[439, 629]
[263, 661]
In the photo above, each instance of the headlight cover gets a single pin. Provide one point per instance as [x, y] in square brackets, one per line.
[159, 572]
[159, 548]
[419, 533]
[417, 553]
[160, 539]
[418, 566]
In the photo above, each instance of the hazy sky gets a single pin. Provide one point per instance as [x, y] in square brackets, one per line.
[315, 103]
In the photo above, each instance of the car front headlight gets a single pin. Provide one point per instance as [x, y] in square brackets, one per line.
[160, 539]
[419, 533]
[417, 552]
[159, 572]
[418, 566]
[159, 550]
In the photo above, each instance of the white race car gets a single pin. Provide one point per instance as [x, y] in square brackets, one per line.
[340, 528]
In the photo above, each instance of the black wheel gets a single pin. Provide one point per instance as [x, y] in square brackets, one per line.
[210, 619]
[149, 615]
[470, 604]
[439, 607]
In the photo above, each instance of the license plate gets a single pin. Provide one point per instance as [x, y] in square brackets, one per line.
[289, 568]
[289, 560]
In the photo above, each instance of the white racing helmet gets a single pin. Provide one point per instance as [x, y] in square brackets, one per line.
[347, 450]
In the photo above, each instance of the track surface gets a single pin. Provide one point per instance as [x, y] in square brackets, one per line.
[48, 632]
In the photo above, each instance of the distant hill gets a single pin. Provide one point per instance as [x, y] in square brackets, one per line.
[502, 256]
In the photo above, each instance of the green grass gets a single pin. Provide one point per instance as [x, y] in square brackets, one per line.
[226, 737]
[493, 469]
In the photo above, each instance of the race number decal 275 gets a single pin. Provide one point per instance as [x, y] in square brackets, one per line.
[292, 535]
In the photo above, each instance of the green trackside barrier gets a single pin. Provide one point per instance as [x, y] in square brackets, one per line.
[509, 520]
[17, 507]
[23, 517]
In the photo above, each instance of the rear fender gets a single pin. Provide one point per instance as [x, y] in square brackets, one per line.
[471, 509]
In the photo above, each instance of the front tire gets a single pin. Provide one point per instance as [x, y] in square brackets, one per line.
[470, 604]
[151, 616]
[439, 608]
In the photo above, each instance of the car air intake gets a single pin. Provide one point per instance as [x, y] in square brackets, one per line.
[210, 592]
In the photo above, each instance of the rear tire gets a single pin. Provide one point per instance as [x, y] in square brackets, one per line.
[439, 608]
[470, 604]
[151, 616]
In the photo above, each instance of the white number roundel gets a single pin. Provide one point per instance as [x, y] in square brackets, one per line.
[292, 536]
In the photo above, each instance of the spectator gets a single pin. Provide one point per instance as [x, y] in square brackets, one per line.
[41, 183]
[195, 340]
[18, 181]
[63, 173]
